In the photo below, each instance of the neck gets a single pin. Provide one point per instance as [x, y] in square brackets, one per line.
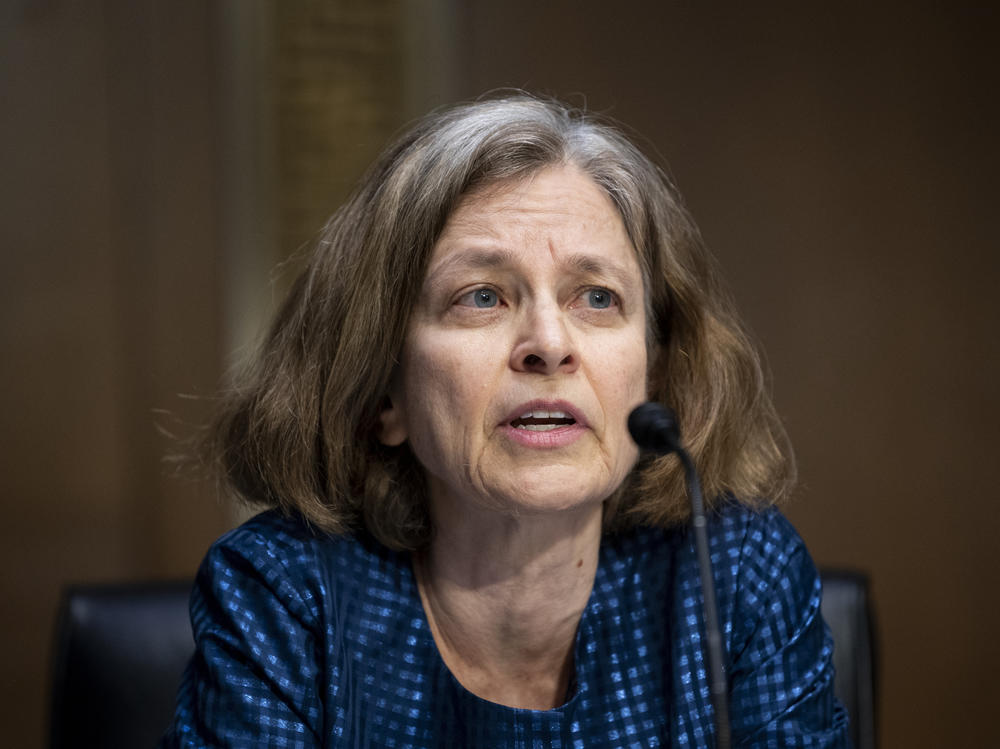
[504, 595]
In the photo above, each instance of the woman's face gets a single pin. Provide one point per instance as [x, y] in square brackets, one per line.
[526, 350]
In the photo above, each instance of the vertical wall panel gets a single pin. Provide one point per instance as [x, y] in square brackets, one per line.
[338, 99]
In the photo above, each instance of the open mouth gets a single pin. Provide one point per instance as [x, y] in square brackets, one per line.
[542, 421]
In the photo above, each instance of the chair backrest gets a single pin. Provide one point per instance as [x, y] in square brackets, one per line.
[121, 650]
[848, 611]
[120, 653]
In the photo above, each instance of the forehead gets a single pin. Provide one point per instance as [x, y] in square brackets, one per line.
[558, 208]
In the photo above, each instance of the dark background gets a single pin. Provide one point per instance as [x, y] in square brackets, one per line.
[158, 158]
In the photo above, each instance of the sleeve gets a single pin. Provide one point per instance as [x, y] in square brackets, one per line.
[253, 680]
[781, 674]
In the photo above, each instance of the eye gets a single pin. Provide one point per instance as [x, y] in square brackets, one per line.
[483, 298]
[599, 298]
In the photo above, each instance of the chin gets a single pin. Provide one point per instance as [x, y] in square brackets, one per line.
[556, 495]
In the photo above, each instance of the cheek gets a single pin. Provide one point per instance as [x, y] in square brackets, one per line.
[624, 384]
[628, 369]
[445, 395]
[633, 391]
[436, 374]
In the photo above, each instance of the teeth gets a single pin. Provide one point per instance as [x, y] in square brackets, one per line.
[539, 420]
[545, 415]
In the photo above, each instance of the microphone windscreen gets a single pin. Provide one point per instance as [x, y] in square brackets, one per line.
[654, 427]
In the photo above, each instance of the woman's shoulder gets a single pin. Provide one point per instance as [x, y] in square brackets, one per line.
[265, 533]
[752, 549]
[766, 581]
[261, 617]
[737, 532]
[761, 534]
[274, 539]
[755, 548]
[278, 537]
[281, 556]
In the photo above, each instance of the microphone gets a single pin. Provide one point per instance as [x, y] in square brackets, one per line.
[654, 428]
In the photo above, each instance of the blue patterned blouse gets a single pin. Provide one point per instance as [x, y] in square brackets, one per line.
[307, 641]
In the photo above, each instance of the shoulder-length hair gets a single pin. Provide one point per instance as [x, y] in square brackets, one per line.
[298, 429]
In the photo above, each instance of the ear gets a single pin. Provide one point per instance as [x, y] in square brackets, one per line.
[391, 424]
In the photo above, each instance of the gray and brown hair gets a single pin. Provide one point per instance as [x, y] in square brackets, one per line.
[298, 428]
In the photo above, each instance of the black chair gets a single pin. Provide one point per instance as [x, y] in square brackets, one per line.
[121, 650]
[848, 611]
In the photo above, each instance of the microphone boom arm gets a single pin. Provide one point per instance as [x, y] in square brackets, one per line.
[654, 427]
[717, 683]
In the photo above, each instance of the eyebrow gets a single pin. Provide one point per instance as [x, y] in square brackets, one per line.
[583, 263]
[587, 264]
[477, 258]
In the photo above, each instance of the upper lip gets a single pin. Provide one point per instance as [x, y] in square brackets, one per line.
[548, 406]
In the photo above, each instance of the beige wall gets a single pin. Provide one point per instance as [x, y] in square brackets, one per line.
[839, 162]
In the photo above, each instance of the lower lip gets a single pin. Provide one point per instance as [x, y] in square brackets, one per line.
[552, 438]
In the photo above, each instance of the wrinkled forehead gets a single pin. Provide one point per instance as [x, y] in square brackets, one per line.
[538, 198]
[560, 207]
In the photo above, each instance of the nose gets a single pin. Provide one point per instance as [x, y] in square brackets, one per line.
[544, 345]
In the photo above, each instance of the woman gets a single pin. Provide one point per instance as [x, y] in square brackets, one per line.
[465, 547]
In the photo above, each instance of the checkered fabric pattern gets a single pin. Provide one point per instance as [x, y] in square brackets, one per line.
[307, 641]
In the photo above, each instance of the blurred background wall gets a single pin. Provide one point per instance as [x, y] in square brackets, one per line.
[159, 160]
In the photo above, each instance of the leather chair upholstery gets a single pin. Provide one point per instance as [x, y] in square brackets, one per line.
[121, 650]
[847, 609]
[120, 653]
